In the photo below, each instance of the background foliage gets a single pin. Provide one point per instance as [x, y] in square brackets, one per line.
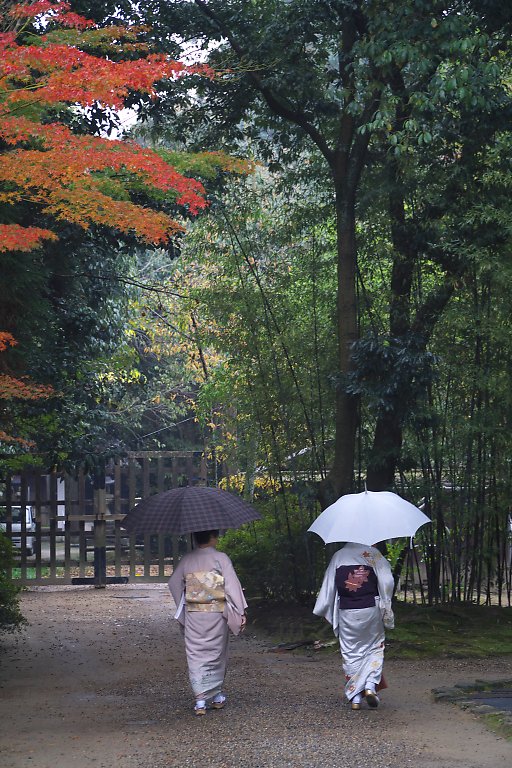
[339, 317]
[11, 618]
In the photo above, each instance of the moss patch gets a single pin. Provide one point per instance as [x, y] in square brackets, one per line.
[498, 723]
[462, 631]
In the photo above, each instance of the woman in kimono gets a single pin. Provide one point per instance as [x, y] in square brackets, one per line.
[355, 598]
[210, 602]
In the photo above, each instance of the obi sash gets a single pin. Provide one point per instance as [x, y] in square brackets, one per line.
[357, 586]
[204, 591]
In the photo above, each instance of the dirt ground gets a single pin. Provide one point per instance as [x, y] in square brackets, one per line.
[98, 678]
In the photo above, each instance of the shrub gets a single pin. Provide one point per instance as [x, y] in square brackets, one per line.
[276, 560]
[11, 618]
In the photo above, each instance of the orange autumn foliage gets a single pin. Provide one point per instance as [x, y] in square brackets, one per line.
[13, 237]
[66, 74]
[6, 340]
[62, 176]
[57, 11]
[12, 388]
[22, 389]
[82, 180]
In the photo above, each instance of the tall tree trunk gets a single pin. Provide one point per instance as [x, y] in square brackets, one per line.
[387, 441]
[385, 453]
[346, 157]
[340, 477]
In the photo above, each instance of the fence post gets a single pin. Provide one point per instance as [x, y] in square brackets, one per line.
[100, 532]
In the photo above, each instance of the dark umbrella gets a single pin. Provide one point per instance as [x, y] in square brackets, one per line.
[189, 509]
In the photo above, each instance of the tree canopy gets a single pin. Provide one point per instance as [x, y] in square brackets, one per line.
[75, 204]
[334, 320]
[377, 92]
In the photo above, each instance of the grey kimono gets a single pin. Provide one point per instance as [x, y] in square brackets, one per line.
[210, 602]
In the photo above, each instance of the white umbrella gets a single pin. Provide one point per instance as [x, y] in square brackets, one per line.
[368, 517]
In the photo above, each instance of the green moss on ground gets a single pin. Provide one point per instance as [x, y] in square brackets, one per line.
[462, 631]
[498, 723]
[450, 630]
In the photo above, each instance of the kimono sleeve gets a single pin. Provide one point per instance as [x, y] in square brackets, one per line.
[235, 598]
[176, 586]
[326, 601]
[386, 585]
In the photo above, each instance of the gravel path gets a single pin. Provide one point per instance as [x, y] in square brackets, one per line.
[99, 679]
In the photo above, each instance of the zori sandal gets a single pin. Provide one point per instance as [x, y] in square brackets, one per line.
[219, 701]
[371, 698]
[355, 703]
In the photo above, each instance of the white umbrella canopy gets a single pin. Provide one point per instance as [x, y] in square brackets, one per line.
[368, 517]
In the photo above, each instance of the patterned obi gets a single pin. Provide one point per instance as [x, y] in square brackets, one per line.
[357, 586]
[204, 591]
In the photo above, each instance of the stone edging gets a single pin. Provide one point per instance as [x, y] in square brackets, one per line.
[500, 720]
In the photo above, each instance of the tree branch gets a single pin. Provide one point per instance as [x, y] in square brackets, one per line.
[273, 99]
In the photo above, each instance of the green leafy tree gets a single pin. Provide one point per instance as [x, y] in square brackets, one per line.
[359, 84]
[75, 208]
[248, 313]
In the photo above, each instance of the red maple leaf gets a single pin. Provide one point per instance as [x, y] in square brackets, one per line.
[356, 578]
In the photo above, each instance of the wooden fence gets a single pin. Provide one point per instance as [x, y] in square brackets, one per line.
[67, 529]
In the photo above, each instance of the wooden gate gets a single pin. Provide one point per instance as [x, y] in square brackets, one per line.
[66, 529]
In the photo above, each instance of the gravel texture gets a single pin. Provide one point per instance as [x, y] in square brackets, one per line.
[99, 679]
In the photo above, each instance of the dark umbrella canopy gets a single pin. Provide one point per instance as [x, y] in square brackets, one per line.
[189, 509]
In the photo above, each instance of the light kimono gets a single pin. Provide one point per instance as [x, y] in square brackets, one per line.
[355, 598]
[209, 602]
